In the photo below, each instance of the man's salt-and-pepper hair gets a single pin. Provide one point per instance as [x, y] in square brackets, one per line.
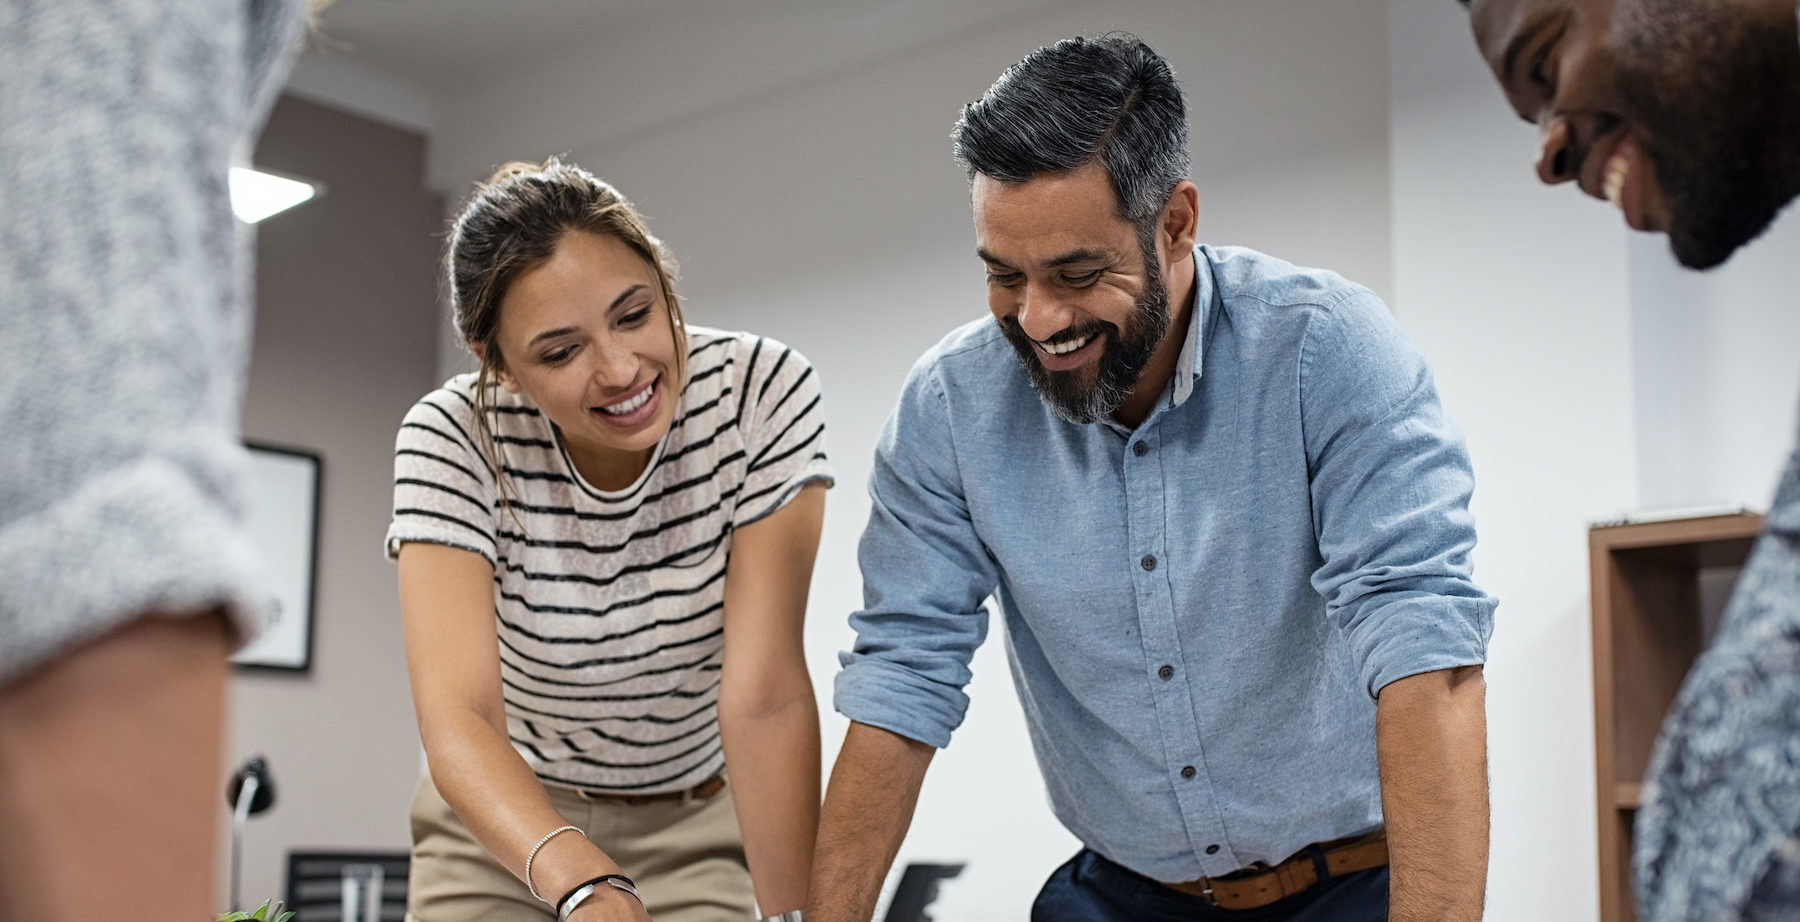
[1108, 97]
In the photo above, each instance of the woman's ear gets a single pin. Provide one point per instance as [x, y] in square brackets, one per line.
[497, 367]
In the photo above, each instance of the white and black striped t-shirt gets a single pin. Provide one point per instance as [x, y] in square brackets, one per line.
[610, 605]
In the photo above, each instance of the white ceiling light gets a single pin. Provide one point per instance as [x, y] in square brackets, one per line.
[256, 194]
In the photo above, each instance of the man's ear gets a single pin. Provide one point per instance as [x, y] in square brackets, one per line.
[1180, 220]
[501, 375]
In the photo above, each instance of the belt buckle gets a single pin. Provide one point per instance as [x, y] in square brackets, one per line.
[706, 790]
[1206, 892]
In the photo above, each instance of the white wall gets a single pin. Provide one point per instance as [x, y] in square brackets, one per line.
[1519, 295]
[1716, 375]
[830, 214]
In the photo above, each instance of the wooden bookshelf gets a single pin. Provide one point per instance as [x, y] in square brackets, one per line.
[1658, 591]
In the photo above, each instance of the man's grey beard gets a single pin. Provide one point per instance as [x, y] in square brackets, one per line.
[1126, 353]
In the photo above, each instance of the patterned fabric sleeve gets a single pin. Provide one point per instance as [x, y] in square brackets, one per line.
[783, 426]
[1718, 836]
[443, 491]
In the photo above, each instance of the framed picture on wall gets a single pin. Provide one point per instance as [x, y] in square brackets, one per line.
[284, 531]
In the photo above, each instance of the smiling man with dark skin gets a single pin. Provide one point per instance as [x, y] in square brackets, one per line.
[1685, 114]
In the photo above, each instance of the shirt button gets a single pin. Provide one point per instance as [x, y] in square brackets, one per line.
[1149, 562]
[1187, 772]
[1140, 449]
[1212, 849]
[1166, 673]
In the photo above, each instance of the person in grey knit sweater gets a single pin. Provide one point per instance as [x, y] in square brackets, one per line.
[124, 316]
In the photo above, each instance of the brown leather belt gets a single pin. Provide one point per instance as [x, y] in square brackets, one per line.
[1249, 889]
[701, 791]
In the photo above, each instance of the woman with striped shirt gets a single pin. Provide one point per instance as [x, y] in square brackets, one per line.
[634, 505]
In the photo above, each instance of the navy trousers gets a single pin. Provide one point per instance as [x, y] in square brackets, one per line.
[1089, 888]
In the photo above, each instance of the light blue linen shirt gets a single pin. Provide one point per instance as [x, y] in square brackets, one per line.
[1199, 612]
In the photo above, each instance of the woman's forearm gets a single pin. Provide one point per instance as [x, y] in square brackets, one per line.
[768, 717]
[453, 666]
[496, 795]
[772, 749]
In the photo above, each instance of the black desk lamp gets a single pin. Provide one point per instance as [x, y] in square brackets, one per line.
[251, 790]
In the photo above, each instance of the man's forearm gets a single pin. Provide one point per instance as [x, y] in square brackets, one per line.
[1431, 732]
[868, 807]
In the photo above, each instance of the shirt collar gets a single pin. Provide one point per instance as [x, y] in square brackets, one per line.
[1187, 366]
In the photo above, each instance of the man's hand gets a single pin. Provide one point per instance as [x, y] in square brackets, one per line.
[868, 807]
[1431, 735]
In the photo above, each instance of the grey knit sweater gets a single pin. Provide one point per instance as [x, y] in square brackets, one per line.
[124, 311]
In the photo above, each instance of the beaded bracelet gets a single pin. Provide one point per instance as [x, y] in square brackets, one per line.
[532, 855]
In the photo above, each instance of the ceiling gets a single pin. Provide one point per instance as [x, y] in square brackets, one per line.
[436, 44]
[485, 78]
[448, 46]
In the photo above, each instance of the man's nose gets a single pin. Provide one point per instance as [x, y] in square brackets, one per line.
[1555, 156]
[1041, 314]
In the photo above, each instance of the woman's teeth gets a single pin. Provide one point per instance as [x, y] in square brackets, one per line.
[1065, 347]
[626, 406]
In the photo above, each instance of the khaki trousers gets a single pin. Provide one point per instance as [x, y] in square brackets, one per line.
[687, 860]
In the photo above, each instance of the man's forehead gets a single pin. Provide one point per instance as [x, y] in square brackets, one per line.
[1075, 197]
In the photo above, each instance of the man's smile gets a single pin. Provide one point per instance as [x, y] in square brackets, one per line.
[1068, 353]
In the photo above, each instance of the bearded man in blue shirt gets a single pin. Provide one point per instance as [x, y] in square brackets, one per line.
[1225, 519]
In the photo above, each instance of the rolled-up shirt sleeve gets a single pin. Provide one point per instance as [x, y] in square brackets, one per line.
[1391, 483]
[926, 574]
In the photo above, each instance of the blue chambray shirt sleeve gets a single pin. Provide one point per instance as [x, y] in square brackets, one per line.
[925, 575]
[1391, 483]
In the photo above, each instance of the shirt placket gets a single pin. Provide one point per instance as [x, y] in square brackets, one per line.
[1171, 691]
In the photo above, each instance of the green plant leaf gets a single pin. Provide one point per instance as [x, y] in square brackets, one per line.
[261, 914]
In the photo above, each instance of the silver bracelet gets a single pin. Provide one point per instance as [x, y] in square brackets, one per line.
[579, 895]
[792, 915]
[532, 856]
